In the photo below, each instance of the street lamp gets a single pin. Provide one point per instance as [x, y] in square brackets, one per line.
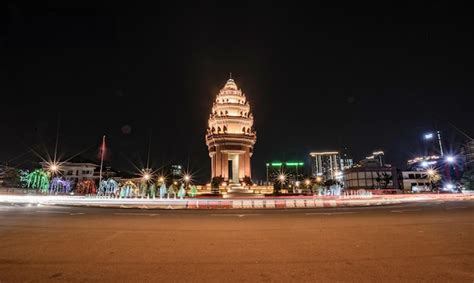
[268, 164]
[187, 178]
[450, 159]
[53, 168]
[282, 178]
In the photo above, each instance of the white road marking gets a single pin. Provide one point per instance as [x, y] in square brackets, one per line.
[53, 212]
[136, 214]
[457, 207]
[330, 213]
[59, 212]
[235, 215]
[405, 210]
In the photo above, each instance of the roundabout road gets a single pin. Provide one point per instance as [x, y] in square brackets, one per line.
[429, 241]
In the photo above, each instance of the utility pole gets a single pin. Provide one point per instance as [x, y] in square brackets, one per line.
[102, 152]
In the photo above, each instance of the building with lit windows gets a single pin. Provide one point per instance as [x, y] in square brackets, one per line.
[230, 135]
[372, 177]
[74, 171]
[325, 164]
[415, 181]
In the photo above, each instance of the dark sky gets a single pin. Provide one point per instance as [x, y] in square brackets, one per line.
[318, 77]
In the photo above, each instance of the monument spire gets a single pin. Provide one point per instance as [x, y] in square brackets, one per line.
[230, 76]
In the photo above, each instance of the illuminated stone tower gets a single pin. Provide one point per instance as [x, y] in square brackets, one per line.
[230, 136]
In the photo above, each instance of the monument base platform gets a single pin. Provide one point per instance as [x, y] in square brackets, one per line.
[237, 191]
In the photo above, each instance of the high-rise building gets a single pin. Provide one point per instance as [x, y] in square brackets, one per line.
[326, 164]
[230, 135]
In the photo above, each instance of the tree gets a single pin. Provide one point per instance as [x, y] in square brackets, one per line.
[11, 178]
[329, 183]
[247, 181]
[434, 179]
[383, 179]
[215, 184]
[193, 191]
[86, 187]
[468, 179]
[316, 188]
[38, 179]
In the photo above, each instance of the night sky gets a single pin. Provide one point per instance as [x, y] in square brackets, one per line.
[318, 77]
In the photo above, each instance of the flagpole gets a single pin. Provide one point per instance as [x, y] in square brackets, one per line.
[102, 150]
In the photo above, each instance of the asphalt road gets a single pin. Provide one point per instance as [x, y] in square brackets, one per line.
[432, 242]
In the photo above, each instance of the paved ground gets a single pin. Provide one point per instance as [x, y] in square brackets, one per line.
[412, 242]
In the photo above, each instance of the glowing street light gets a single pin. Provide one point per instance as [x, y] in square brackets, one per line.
[431, 172]
[161, 179]
[282, 178]
[307, 182]
[146, 176]
[54, 168]
[450, 159]
[187, 178]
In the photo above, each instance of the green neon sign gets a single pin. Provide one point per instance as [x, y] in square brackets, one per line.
[294, 164]
[276, 164]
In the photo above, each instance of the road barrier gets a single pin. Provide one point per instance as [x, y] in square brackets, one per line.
[267, 203]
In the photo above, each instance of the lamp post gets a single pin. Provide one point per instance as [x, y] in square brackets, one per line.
[186, 178]
[282, 178]
[440, 143]
[267, 172]
[430, 136]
